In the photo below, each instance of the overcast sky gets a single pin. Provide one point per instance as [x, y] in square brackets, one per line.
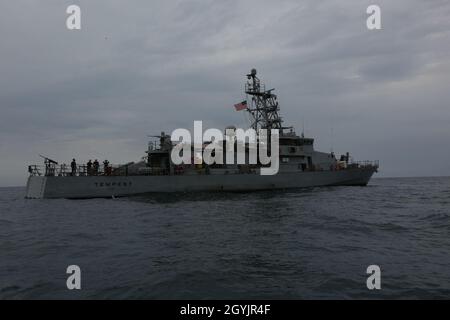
[142, 67]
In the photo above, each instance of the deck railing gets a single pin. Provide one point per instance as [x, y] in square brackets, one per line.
[65, 170]
[364, 164]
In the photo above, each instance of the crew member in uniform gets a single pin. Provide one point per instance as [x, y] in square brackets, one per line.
[73, 165]
[105, 167]
[96, 166]
[89, 167]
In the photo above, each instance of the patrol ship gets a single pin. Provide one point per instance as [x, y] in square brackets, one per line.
[299, 165]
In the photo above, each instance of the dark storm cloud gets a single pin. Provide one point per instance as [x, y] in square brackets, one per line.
[140, 67]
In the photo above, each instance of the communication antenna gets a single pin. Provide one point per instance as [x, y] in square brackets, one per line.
[303, 127]
[332, 140]
[264, 107]
[332, 132]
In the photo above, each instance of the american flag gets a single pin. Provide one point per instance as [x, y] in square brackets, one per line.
[241, 106]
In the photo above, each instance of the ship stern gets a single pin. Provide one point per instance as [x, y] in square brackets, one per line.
[36, 187]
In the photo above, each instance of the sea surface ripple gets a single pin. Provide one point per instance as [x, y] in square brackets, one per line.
[298, 244]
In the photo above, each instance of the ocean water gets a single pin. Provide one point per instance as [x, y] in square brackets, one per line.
[301, 244]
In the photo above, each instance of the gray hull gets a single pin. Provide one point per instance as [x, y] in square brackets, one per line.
[108, 186]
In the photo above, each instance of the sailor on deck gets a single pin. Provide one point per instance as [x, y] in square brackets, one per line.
[89, 167]
[96, 166]
[106, 167]
[73, 165]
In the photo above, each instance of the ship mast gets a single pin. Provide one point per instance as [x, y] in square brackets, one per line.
[264, 106]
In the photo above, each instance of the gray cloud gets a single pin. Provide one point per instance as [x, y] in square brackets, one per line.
[140, 67]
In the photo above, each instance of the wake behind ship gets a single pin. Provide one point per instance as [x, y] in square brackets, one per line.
[299, 165]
